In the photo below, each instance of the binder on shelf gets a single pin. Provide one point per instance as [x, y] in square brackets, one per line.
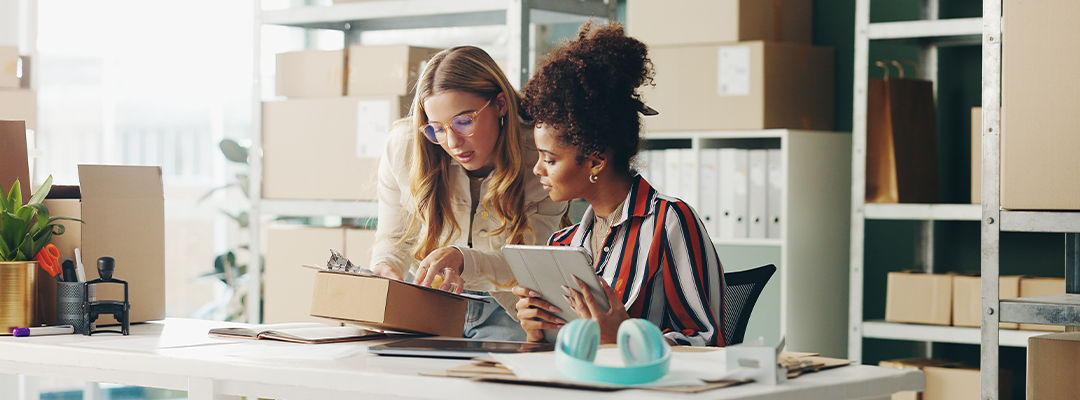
[756, 200]
[725, 196]
[656, 170]
[708, 206]
[672, 167]
[733, 193]
[641, 164]
[774, 181]
[688, 172]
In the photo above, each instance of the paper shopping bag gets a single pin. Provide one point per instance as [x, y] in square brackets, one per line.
[901, 142]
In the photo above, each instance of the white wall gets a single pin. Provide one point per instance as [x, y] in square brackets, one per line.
[9, 22]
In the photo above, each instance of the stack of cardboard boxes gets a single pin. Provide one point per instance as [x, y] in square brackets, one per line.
[949, 299]
[946, 380]
[17, 101]
[734, 64]
[323, 142]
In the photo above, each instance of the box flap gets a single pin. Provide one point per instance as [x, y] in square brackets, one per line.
[120, 182]
[64, 192]
[13, 160]
[438, 291]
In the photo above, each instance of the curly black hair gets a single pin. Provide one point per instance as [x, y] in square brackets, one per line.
[587, 88]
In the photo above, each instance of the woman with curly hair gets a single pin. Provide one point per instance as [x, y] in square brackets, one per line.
[455, 186]
[652, 251]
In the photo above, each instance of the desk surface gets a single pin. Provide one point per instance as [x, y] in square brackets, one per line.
[177, 354]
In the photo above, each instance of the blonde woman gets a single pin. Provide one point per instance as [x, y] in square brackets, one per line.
[455, 185]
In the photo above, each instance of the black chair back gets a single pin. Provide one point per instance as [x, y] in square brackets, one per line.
[741, 292]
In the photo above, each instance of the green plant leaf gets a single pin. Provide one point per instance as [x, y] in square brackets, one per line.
[4, 204]
[42, 191]
[41, 217]
[5, 251]
[15, 195]
[13, 230]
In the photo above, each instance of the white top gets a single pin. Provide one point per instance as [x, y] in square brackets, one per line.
[177, 354]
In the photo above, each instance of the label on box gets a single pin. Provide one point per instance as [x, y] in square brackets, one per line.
[733, 71]
[372, 125]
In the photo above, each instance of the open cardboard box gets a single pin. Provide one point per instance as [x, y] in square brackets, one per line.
[122, 209]
[387, 304]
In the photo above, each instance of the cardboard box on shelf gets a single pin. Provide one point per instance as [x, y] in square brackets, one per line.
[1052, 362]
[976, 155]
[310, 73]
[658, 22]
[9, 67]
[1039, 143]
[919, 298]
[288, 286]
[967, 299]
[19, 105]
[385, 70]
[388, 304]
[336, 140]
[748, 85]
[916, 364]
[1031, 287]
[948, 383]
[123, 214]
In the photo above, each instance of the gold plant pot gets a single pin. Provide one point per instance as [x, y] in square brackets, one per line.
[17, 283]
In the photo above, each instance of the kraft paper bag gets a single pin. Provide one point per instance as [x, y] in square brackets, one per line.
[901, 141]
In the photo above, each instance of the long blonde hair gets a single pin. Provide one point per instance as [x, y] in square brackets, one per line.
[468, 69]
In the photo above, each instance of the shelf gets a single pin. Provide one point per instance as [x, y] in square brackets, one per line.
[1040, 221]
[1058, 309]
[942, 334]
[400, 14]
[749, 242]
[944, 31]
[320, 208]
[932, 212]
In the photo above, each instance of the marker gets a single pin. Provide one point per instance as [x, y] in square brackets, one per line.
[80, 272]
[44, 330]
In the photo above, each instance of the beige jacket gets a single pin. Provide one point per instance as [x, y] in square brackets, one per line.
[485, 268]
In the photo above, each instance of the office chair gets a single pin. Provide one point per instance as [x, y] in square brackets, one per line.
[741, 292]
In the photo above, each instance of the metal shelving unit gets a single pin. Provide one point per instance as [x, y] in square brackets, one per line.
[943, 334]
[354, 18]
[929, 33]
[1063, 309]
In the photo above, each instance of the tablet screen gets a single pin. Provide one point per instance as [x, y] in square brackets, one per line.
[433, 347]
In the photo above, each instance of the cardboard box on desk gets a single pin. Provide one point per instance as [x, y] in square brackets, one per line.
[660, 22]
[919, 298]
[967, 299]
[123, 214]
[748, 85]
[387, 304]
[385, 70]
[1052, 362]
[1033, 287]
[336, 140]
[310, 73]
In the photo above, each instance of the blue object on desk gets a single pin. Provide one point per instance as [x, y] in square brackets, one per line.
[645, 352]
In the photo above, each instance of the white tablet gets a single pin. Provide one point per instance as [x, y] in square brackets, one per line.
[546, 269]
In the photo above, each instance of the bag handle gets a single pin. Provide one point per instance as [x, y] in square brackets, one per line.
[884, 64]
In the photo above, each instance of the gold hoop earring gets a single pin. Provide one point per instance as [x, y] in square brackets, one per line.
[593, 178]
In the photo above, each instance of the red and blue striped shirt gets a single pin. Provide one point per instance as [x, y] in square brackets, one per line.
[661, 261]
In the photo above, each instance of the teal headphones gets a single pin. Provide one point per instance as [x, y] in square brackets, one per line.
[644, 350]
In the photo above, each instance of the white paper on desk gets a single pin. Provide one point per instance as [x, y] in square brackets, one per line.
[146, 344]
[292, 351]
[687, 369]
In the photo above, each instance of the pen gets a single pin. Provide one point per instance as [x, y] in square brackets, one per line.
[80, 273]
[44, 330]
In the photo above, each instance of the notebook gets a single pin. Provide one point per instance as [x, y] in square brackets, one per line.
[299, 332]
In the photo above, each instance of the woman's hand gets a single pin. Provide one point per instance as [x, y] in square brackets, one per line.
[585, 305]
[442, 270]
[385, 270]
[535, 314]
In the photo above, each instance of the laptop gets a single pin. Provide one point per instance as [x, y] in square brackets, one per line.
[455, 348]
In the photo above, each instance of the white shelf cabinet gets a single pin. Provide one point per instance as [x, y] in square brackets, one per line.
[813, 243]
[942, 334]
[352, 18]
[930, 33]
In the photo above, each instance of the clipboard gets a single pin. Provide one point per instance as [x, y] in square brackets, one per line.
[546, 269]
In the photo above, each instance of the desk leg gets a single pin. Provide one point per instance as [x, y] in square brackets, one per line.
[204, 389]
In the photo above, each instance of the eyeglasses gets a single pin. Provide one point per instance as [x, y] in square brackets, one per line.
[464, 125]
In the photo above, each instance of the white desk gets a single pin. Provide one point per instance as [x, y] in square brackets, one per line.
[148, 358]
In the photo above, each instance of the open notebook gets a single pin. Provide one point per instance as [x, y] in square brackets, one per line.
[299, 332]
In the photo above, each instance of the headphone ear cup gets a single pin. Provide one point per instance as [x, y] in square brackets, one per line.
[580, 339]
[640, 342]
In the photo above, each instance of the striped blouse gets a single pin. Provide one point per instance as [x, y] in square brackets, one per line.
[660, 260]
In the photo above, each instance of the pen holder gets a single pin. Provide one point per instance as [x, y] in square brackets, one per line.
[69, 305]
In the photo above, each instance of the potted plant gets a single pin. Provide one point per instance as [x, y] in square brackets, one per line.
[24, 230]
